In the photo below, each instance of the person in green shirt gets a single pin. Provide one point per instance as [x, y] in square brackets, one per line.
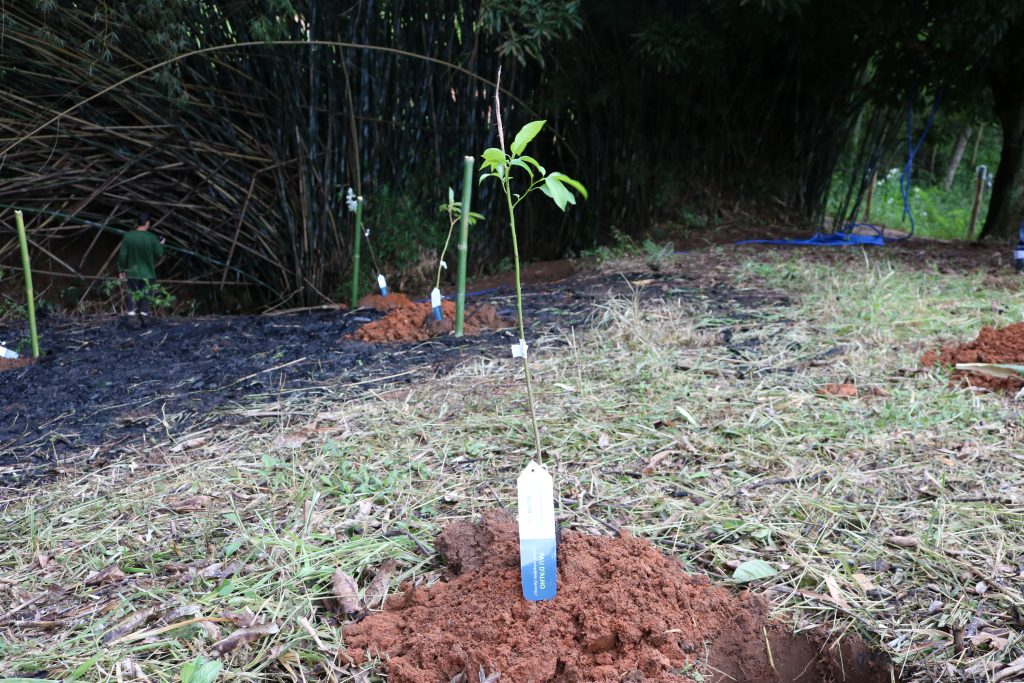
[136, 262]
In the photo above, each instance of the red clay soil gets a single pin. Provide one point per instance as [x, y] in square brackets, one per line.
[624, 612]
[1005, 345]
[415, 322]
[385, 303]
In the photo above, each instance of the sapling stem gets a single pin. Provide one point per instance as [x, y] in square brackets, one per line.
[506, 186]
[27, 272]
[355, 252]
[460, 282]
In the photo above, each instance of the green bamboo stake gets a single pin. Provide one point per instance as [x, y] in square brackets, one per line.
[355, 252]
[27, 270]
[467, 193]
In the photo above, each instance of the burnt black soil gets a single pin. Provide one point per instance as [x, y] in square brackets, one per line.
[104, 386]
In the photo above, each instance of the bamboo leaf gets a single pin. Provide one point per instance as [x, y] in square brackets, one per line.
[752, 570]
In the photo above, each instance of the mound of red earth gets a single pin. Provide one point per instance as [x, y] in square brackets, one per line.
[624, 612]
[407, 321]
[1005, 345]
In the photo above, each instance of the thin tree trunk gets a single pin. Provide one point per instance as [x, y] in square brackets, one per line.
[1006, 205]
[977, 144]
[958, 155]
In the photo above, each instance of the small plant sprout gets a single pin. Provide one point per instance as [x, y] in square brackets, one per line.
[507, 167]
[454, 211]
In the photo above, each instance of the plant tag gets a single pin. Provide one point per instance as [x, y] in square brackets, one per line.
[435, 303]
[519, 350]
[382, 284]
[538, 550]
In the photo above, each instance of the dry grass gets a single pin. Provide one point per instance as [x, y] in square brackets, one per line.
[897, 515]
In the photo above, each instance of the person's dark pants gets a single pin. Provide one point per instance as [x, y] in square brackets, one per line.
[138, 295]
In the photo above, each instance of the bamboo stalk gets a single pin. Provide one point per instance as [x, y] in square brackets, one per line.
[357, 241]
[27, 271]
[460, 296]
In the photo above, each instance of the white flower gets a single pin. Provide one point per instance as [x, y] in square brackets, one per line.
[350, 200]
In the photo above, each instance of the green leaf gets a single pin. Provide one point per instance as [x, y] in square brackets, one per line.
[1000, 370]
[200, 671]
[519, 162]
[523, 137]
[493, 156]
[536, 164]
[575, 184]
[558, 193]
[752, 570]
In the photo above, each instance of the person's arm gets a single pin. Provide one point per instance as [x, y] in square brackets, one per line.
[159, 248]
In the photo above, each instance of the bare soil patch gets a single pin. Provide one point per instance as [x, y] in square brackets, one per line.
[624, 612]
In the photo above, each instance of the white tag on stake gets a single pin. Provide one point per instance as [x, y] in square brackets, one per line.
[519, 350]
[538, 548]
[382, 284]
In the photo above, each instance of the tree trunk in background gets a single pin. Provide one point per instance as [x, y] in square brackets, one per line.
[954, 161]
[977, 144]
[1006, 207]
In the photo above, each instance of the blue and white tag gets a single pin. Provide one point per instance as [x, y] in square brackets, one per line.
[538, 549]
[435, 302]
[382, 284]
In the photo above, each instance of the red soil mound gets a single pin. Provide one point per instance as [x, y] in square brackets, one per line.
[415, 322]
[385, 303]
[1004, 345]
[624, 612]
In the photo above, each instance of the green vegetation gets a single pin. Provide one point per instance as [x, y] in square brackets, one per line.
[896, 515]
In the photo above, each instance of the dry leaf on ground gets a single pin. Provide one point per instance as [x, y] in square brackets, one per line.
[346, 590]
[190, 504]
[244, 636]
[111, 574]
[128, 625]
[838, 390]
[377, 591]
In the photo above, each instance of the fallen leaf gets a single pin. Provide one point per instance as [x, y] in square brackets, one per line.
[603, 441]
[219, 570]
[879, 392]
[42, 559]
[176, 613]
[377, 591]
[129, 668]
[111, 574]
[128, 625]
[752, 570]
[864, 582]
[835, 593]
[212, 632]
[290, 440]
[903, 541]
[245, 618]
[994, 641]
[838, 390]
[200, 671]
[484, 677]
[346, 591]
[657, 459]
[244, 636]
[981, 588]
[190, 443]
[191, 504]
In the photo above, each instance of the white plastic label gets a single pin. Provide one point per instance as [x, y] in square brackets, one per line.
[538, 547]
[435, 298]
[381, 282]
[519, 350]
